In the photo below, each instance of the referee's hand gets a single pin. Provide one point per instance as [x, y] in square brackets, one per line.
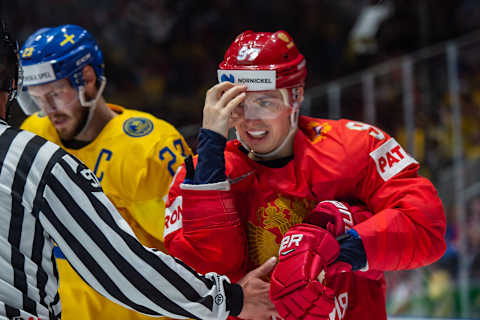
[256, 300]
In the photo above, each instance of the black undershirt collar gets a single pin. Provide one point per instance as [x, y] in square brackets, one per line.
[275, 163]
[75, 144]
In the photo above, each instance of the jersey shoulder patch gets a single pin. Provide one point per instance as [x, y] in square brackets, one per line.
[137, 126]
[317, 131]
[390, 159]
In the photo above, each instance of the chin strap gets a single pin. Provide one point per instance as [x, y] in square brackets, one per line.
[269, 155]
[90, 104]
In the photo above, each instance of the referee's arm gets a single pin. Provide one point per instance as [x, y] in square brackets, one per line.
[104, 251]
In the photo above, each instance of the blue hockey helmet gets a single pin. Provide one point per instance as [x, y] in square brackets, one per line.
[52, 54]
[61, 52]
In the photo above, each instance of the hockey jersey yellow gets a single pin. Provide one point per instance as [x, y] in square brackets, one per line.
[135, 157]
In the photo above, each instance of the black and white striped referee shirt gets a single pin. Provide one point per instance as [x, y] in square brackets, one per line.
[48, 196]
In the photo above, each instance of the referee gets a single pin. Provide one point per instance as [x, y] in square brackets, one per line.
[48, 196]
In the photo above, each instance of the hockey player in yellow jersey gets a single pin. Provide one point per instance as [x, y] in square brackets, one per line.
[132, 153]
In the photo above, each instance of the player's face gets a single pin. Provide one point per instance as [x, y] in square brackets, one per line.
[60, 102]
[263, 120]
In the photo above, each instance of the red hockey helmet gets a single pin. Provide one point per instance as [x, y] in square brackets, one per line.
[263, 61]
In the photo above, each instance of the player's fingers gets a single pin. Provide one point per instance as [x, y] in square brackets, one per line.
[215, 92]
[227, 110]
[265, 268]
[231, 94]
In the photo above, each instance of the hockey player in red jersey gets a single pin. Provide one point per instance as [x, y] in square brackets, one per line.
[270, 191]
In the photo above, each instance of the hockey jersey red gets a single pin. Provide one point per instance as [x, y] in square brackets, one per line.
[235, 226]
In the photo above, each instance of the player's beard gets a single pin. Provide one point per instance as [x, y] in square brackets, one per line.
[78, 126]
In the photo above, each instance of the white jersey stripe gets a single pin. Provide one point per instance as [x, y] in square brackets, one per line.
[47, 195]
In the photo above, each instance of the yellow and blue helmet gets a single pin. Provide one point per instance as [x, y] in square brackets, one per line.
[61, 52]
[52, 54]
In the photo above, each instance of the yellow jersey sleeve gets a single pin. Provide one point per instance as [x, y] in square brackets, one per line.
[151, 183]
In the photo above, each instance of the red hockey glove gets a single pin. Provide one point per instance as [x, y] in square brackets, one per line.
[337, 217]
[334, 216]
[305, 252]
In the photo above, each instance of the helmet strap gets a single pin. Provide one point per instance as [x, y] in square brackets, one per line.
[93, 102]
[269, 155]
[90, 104]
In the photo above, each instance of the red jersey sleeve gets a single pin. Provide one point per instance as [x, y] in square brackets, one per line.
[408, 227]
[202, 228]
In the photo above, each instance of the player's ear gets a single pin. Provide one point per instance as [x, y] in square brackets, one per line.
[90, 80]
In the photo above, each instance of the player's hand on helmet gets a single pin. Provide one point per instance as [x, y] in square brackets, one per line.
[256, 301]
[298, 281]
[220, 101]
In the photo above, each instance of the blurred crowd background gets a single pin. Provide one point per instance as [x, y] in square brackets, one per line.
[162, 56]
[406, 66]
